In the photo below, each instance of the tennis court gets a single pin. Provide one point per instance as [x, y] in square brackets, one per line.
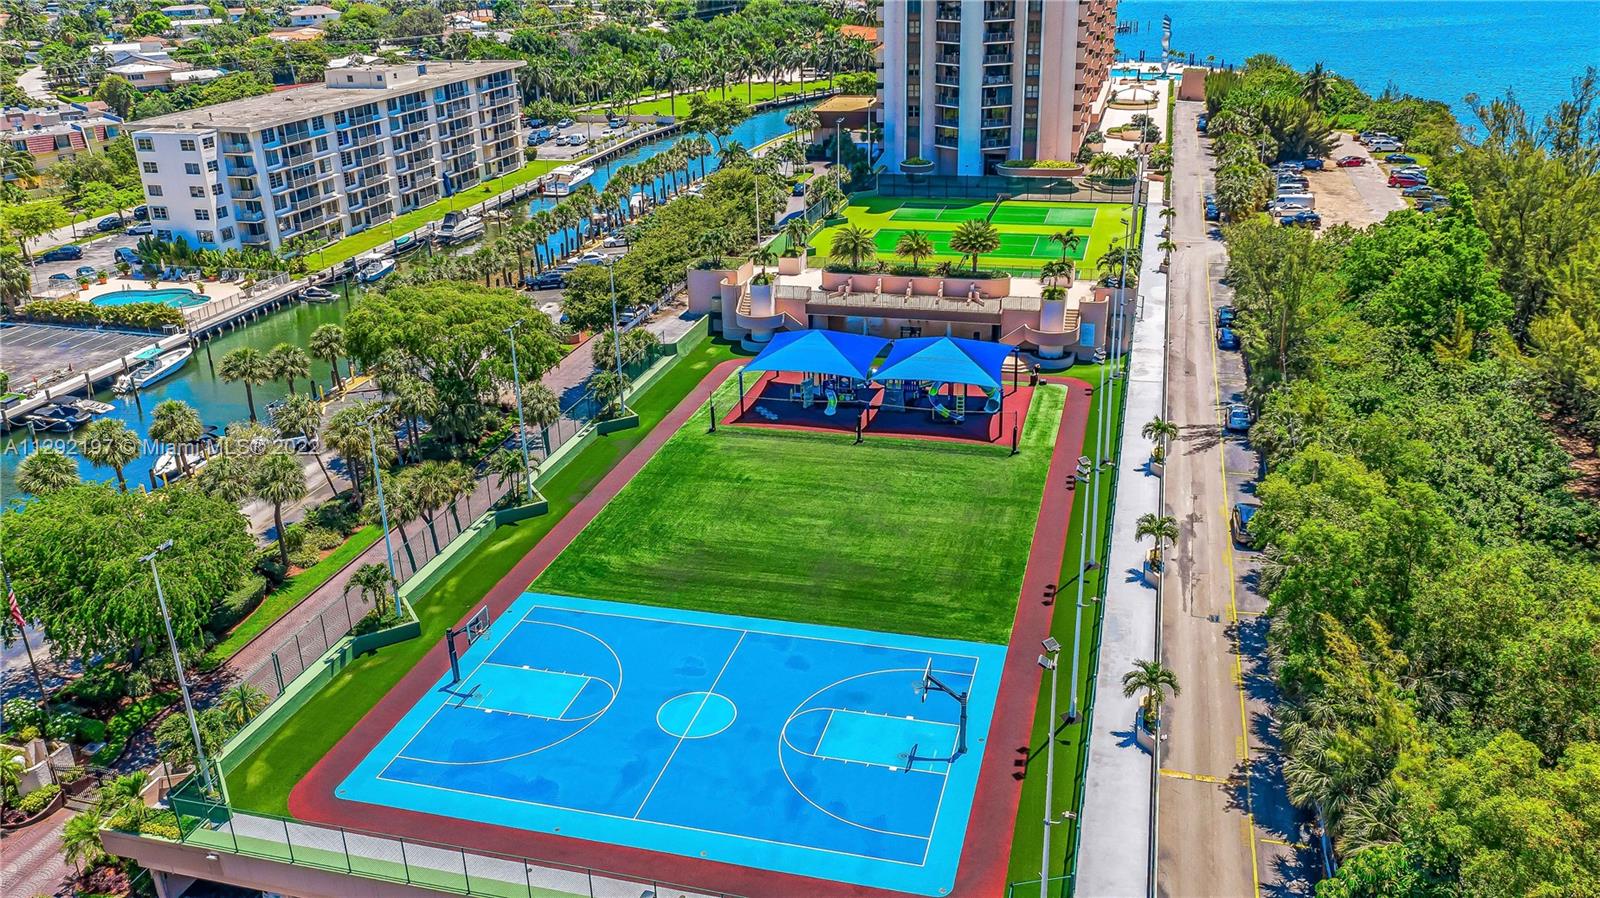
[1012, 245]
[953, 211]
[789, 747]
[1044, 214]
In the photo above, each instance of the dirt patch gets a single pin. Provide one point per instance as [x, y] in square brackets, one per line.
[1585, 459]
[1338, 201]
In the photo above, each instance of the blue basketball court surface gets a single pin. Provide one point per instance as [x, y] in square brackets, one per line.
[788, 747]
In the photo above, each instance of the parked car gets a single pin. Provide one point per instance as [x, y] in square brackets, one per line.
[1238, 419]
[1227, 338]
[535, 122]
[70, 252]
[1295, 167]
[1200, 123]
[61, 276]
[1351, 161]
[1417, 190]
[613, 241]
[126, 255]
[141, 213]
[141, 229]
[1226, 316]
[1311, 164]
[1303, 218]
[1403, 179]
[1212, 213]
[1386, 146]
[546, 280]
[1399, 158]
[1239, 523]
[85, 271]
[109, 223]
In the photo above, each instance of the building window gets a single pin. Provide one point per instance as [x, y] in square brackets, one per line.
[202, 215]
[145, 144]
[154, 189]
[322, 144]
[216, 190]
[164, 236]
[318, 123]
[222, 212]
[205, 236]
[186, 145]
[196, 192]
[1031, 91]
[211, 165]
[150, 168]
[227, 233]
[208, 142]
[191, 168]
[159, 213]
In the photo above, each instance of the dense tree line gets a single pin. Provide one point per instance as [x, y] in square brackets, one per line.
[1432, 572]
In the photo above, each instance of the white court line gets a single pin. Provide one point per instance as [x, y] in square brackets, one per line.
[889, 767]
[711, 690]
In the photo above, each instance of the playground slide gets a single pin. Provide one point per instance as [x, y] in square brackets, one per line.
[993, 405]
[833, 403]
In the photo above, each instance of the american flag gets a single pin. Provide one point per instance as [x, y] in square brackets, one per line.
[16, 613]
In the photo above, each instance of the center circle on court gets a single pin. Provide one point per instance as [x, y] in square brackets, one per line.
[696, 715]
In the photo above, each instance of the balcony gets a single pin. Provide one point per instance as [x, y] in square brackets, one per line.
[947, 35]
[995, 143]
[999, 11]
[996, 80]
[947, 98]
[237, 147]
[240, 169]
[947, 58]
[255, 239]
[995, 123]
[948, 79]
[246, 193]
[250, 215]
[305, 179]
[998, 59]
[947, 12]
[1001, 36]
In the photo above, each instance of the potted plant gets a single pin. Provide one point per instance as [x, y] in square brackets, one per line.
[101, 275]
[1094, 141]
[83, 283]
[123, 268]
[1153, 679]
[1163, 529]
[916, 165]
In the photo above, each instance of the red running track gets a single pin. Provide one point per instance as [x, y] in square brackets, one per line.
[987, 849]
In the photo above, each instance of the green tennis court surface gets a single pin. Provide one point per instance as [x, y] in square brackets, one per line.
[1070, 216]
[957, 212]
[1011, 245]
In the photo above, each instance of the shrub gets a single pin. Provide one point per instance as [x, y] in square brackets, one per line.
[126, 723]
[71, 775]
[28, 733]
[336, 515]
[323, 540]
[71, 726]
[144, 315]
[22, 713]
[99, 689]
[234, 606]
[38, 800]
[916, 160]
[305, 556]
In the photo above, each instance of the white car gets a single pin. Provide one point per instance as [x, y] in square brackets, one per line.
[1385, 146]
[614, 241]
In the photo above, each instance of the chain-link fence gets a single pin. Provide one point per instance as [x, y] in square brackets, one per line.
[210, 824]
[987, 187]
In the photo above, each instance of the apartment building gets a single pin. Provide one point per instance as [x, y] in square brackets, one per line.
[332, 159]
[968, 84]
[49, 134]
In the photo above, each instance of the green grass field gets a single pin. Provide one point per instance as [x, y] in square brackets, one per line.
[757, 93]
[1025, 228]
[906, 536]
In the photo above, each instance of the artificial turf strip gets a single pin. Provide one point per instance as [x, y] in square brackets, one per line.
[755, 94]
[1028, 836]
[289, 594]
[263, 780]
[1023, 226]
[926, 537]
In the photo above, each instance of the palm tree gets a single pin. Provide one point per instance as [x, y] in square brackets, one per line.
[109, 442]
[1315, 86]
[1159, 431]
[327, 342]
[1154, 679]
[429, 486]
[240, 704]
[80, 841]
[373, 583]
[542, 408]
[973, 238]
[506, 467]
[248, 366]
[279, 479]
[176, 422]
[1163, 528]
[854, 243]
[46, 470]
[915, 246]
[796, 233]
[762, 256]
[414, 399]
[124, 796]
[303, 415]
[1068, 240]
[346, 434]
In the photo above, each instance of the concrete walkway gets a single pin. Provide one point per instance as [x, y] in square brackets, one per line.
[1114, 851]
[31, 862]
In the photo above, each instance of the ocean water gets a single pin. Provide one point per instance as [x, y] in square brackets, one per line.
[1439, 49]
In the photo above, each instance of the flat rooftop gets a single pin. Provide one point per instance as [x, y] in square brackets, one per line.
[293, 104]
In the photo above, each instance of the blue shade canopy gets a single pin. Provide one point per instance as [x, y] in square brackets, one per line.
[949, 359]
[824, 352]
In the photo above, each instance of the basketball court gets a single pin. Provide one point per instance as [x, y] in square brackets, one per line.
[790, 747]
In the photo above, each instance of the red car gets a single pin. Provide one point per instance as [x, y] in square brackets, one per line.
[1352, 161]
[1404, 181]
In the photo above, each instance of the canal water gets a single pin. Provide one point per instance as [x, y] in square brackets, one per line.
[220, 402]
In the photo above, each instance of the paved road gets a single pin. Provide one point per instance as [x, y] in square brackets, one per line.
[1225, 825]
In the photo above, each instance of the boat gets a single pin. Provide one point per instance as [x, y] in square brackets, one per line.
[316, 294]
[374, 267]
[166, 468]
[458, 227]
[154, 365]
[61, 417]
[563, 179]
[405, 243]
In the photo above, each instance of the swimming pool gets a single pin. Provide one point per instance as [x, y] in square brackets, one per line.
[177, 297]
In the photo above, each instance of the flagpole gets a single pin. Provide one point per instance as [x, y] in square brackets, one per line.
[22, 628]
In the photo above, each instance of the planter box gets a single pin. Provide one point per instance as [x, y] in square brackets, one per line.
[371, 642]
[54, 805]
[612, 425]
[1072, 171]
[1156, 467]
[538, 506]
[1152, 577]
[1144, 735]
[909, 168]
[792, 265]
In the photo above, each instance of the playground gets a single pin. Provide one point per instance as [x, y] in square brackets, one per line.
[1024, 226]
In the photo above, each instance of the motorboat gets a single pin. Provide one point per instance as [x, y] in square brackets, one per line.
[316, 294]
[563, 179]
[405, 243]
[154, 365]
[61, 417]
[375, 267]
[459, 227]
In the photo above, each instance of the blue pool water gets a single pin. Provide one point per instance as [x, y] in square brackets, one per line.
[1440, 49]
[788, 747]
[177, 297]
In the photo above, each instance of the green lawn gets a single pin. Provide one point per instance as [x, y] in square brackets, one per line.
[1028, 836]
[762, 91]
[906, 536]
[1024, 227]
[290, 593]
[263, 780]
[356, 244]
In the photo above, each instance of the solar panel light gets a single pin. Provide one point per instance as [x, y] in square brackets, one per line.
[1051, 645]
[1047, 662]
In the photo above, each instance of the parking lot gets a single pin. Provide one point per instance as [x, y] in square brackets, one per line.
[97, 254]
[591, 132]
[39, 352]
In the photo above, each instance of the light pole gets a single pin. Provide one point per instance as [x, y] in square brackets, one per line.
[1049, 661]
[177, 666]
[838, 135]
[616, 337]
[383, 510]
[522, 428]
